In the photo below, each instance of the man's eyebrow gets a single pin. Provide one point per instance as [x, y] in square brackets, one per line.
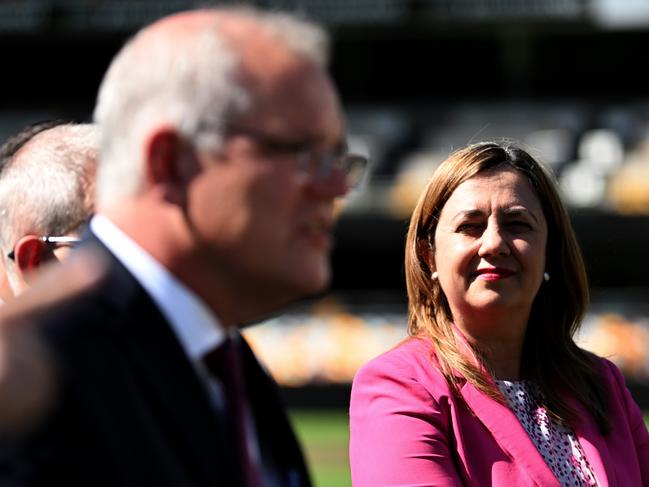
[338, 146]
[338, 142]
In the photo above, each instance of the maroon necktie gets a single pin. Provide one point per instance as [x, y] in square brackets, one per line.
[224, 362]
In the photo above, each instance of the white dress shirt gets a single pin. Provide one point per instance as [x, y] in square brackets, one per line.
[198, 335]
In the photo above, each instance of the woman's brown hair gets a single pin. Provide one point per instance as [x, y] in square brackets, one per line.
[550, 356]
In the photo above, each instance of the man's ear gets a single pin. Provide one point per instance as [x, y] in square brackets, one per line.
[29, 253]
[166, 157]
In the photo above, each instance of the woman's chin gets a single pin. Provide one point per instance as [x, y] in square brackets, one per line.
[491, 302]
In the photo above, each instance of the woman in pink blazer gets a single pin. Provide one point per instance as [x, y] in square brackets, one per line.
[491, 390]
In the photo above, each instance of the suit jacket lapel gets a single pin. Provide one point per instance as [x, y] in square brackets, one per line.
[184, 406]
[168, 380]
[277, 440]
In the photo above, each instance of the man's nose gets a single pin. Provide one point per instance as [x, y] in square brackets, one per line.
[328, 186]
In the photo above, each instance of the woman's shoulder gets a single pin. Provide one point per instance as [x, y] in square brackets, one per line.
[613, 376]
[412, 360]
[624, 412]
[407, 354]
[607, 369]
[613, 380]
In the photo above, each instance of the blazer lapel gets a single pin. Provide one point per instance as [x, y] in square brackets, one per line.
[510, 435]
[503, 424]
[593, 445]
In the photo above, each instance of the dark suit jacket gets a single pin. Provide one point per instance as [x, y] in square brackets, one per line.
[133, 411]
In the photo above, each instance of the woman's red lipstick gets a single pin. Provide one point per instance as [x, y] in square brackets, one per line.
[493, 273]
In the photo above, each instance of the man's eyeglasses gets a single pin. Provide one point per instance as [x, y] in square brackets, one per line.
[312, 162]
[52, 241]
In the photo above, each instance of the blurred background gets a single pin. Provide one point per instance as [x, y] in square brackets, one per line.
[418, 78]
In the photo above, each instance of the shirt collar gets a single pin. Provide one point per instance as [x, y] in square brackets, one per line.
[197, 329]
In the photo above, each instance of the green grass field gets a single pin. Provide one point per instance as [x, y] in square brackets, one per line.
[325, 437]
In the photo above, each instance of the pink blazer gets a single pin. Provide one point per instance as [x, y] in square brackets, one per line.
[407, 429]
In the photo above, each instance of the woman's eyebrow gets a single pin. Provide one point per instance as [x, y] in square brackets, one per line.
[467, 214]
[520, 210]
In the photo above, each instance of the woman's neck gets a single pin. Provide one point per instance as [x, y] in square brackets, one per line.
[503, 359]
[499, 341]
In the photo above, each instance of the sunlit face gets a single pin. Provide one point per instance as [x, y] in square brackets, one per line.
[490, 246]
[266, 227]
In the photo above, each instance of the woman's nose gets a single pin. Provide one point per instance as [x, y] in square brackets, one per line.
[493, 241]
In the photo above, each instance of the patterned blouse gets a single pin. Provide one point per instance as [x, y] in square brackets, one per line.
[557, 443]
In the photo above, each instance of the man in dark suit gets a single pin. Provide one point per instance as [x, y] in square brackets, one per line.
[222, 153]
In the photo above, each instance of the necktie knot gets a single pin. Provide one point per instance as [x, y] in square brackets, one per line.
[222, 361]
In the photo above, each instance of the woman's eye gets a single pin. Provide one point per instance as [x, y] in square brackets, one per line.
[470, 228]
[519, 226]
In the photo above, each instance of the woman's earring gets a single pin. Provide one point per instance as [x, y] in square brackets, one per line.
[433, 275]
[546, 276]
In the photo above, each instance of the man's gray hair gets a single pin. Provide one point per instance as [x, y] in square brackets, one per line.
[186, 81]
[47, 185]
